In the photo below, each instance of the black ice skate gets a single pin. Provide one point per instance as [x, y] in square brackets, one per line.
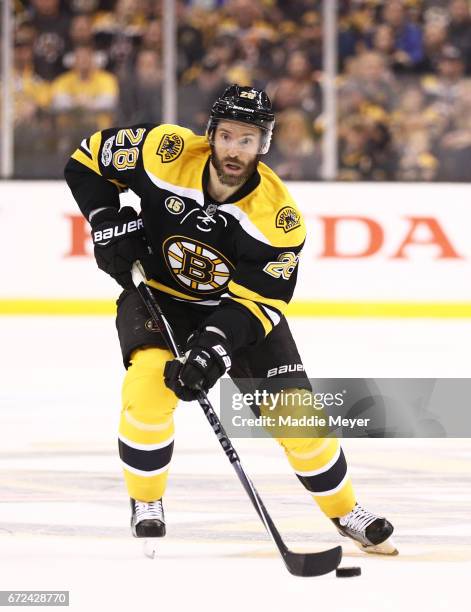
[147, 519]
[367, 530]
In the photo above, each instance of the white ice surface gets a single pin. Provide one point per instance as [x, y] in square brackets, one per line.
[64, 511]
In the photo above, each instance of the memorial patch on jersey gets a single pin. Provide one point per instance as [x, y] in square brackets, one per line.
[288, 219]
[170, 147]
[195, 265]
[174, 205]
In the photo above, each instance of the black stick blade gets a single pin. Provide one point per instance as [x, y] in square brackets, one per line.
[313, 564]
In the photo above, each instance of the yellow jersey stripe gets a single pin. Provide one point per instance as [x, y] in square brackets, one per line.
[174, 292]
[248, 294]
[81, 157]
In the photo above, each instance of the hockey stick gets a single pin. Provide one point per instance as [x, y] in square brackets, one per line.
[299, 564]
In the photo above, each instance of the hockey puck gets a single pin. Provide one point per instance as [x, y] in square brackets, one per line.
[347, 572]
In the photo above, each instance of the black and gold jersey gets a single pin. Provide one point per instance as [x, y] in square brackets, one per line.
[238, 258]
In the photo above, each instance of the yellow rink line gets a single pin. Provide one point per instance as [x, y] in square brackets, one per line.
[414, 310]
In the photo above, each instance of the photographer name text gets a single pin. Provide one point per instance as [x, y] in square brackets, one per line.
[304, 421]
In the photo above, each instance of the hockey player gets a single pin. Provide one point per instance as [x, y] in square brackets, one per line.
[219, 237]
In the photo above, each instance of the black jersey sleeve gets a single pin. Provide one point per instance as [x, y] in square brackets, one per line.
[104, 165]
[258, 292]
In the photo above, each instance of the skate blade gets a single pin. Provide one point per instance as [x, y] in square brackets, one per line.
[385, 548]
[149, 547]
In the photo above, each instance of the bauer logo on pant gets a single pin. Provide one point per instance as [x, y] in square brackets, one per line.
[195, 265]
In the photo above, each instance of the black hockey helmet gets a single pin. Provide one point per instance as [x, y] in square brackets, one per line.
[247, 105]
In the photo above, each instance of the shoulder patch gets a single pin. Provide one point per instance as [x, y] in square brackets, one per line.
[288, 219]
[106, 152]
[170, 147]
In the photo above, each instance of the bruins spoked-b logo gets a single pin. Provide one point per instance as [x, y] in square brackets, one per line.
[170, 147]
[288, 219]
[195, 265]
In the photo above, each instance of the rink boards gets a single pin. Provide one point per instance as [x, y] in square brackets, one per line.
[372, 250]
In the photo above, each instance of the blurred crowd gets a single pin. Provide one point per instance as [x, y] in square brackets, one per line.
[404, 79]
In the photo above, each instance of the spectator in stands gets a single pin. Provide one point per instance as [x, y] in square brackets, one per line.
[89, 7]
[243, 16]
[299, 69]
[310, 38]
[354, 162]
[415, 113]
[83, 99]
[32, 124]
[52, 31]
[414, 126]
[152, 10]
[408, 35]
[459, 29]
[225, 50]
[273, 44]
[454, 147]
[86, 88]
[119, 33]
[294, 154]
[356, 21]
[283, 94]
[25, 34]
[252, 44]
[416, 162]
[365, 151]
[140, 98]
[197, 96]
[381, 149]
[204, 20]
[442, 88]
[32, 94]
[370, 84]
[435, 37]
[190, 40]
[152, 36]
[81, 31]
[271, 61]
[81, 34]
[383, 42]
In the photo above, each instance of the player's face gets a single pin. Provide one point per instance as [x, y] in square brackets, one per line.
[234, 151]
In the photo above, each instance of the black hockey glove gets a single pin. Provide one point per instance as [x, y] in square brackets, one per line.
[206, 360]
[119, 239]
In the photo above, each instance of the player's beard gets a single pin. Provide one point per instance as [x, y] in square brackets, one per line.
[229, 179]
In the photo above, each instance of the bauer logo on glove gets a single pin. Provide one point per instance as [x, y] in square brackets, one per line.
[103, 237]
[206, 360]
[119, 240]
